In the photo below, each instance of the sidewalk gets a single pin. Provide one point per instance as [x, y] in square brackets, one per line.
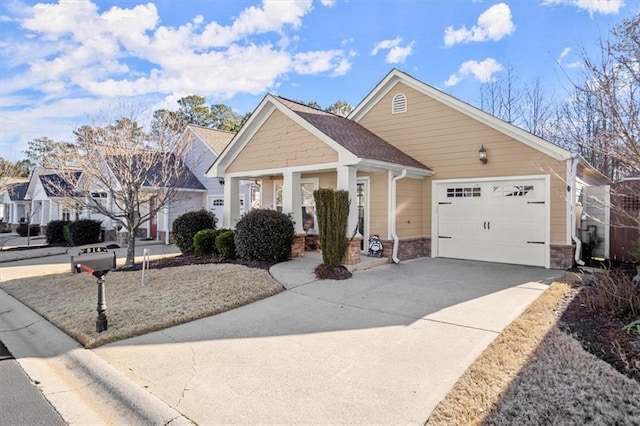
[82, 387]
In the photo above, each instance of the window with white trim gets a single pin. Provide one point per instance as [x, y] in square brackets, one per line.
[399, 103]
[308, 204]
[512, 190]
[463, 192]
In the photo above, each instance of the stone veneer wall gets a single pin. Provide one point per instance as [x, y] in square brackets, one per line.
[408, 248]
[297, 248]
[561, 256]
[352, 256]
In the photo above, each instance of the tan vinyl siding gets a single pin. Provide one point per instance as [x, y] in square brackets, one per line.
[409, 208]
[378, 204]
[448, 141]
[279, 143]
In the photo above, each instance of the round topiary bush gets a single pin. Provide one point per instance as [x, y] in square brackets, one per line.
[225, 243]
[186, 226]
[264, 235]
[204, 242]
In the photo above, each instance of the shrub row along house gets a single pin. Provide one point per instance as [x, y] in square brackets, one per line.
[427, 173]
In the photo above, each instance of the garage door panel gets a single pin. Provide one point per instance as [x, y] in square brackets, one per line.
[498, 221]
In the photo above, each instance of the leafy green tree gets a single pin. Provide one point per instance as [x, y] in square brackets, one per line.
[341, 108]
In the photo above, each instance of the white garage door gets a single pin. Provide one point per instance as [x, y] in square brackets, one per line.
[496, 221]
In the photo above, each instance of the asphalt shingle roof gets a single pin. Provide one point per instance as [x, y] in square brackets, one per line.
[215, 138]
[56, 185]
[184, 179]
[18, 191]
[352, 136]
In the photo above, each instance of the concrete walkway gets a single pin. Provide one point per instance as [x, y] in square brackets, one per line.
[383, 347]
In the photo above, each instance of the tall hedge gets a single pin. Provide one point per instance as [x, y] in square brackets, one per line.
[332, 209]
[264, 234]
[84, 231]
[186, 226]
[55, 232]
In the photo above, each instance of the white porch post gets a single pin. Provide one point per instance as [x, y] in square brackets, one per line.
[292, 198]
[231, 203]
[165, 212]
[348, 181]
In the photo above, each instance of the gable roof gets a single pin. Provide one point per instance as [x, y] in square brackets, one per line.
[352, 136]
[396, 76]
[354, 144]
[17, 191]
[215, 139]
[185, 179]
[56, 185]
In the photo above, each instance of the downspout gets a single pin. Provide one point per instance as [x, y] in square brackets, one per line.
[574, 237]
[394, 235]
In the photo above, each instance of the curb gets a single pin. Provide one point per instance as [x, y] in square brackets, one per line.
[81, 386]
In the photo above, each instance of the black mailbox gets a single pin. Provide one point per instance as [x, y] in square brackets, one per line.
[93, 260]
[96, 261]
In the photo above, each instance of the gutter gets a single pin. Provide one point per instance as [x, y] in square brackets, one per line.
[572, 204]
[392, 216]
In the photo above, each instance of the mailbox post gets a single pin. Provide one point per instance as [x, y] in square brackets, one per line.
[96, 261]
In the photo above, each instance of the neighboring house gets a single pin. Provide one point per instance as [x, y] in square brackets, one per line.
[205, 145]
[188, 196]
[14, 206]
[427, 173]
[52, 197]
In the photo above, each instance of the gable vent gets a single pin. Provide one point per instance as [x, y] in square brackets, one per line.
[399, 104]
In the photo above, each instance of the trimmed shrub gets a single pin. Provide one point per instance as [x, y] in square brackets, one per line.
[204, 242]
[264, 235]
[186, 226]
[55, 232]
[225, 243]
[84, 231]
[332, 208]
[24, 230]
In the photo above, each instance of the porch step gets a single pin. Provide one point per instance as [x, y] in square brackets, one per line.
[367, 263]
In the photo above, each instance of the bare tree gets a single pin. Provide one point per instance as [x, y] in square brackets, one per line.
[341, 108]
[611, 91]
[128, 175]
[537, 110]
[503, 98]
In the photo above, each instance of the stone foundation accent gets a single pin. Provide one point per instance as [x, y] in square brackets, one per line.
[312, 242]
[297, 247]
[561, 256]
[162, 235]
[352, 255]
[408, 248]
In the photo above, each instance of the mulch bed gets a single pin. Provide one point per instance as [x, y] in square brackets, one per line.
[601, 335]
[191, 259]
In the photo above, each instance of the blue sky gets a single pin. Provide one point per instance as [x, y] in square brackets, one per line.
[64, 63]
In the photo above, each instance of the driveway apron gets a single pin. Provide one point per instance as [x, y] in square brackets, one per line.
[382, 347]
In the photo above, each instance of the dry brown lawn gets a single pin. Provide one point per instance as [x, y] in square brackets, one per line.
[169, 297]
[533, 373]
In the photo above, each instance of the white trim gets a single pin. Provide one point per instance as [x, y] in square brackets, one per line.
[399, 103]
[395, 76]
[366, 180]
[279, 171]
[607, 221]
[435, 194]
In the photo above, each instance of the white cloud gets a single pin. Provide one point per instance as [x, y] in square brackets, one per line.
[396, 53]
[604, 7]
[493, 24]
[483, 71]
[328, 3]
[563, 55]
[73, 50]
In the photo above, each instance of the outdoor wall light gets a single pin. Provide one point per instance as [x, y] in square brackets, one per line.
[482, 155]
[221, 181]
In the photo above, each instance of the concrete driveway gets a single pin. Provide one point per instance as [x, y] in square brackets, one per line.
[383, 347]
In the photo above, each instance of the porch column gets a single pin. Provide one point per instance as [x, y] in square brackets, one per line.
[292, 198]
[231, 209]
[348, 181]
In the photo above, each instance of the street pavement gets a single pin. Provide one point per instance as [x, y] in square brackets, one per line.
[382, 347]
